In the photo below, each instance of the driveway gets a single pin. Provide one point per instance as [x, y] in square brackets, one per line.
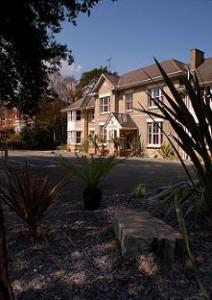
[122, 179]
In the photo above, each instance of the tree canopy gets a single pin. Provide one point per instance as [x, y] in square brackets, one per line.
[88, 80]
[29, 51]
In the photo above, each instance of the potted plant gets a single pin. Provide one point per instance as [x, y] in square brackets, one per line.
[91, 171]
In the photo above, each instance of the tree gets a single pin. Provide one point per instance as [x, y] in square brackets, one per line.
[89, 78]
[50, 116]
[63, 87]
[29, 51]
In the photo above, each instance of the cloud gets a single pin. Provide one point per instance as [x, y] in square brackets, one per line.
[72, 69]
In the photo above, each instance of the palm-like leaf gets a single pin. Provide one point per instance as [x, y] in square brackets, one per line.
[30, 196]
[193, 132]
[90, 170]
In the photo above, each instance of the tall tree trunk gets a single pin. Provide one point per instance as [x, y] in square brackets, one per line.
[5, 287]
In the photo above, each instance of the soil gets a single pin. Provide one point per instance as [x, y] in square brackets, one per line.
[78, 258]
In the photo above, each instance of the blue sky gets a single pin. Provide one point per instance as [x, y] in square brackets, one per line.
[131, 32]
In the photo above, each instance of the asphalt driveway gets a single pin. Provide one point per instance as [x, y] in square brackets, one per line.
[122, 179]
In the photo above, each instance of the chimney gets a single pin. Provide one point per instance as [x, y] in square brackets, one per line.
[197, 57]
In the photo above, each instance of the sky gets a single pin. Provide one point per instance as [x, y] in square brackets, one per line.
[131, 32]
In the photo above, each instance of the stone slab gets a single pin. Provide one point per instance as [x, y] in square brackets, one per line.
[141, 232]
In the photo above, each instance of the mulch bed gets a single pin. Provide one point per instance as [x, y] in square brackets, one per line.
[79, 259]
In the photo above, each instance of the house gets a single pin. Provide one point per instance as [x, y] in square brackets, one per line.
[112, 108]
[9, 118]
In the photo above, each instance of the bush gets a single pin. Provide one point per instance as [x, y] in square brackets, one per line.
[166, 151]
[29, 196]
[137, 148]
[90, 171]
[139, 191]
[37, 136]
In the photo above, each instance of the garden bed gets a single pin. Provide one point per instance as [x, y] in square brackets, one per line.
[80, 259]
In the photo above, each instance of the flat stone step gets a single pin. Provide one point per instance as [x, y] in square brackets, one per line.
[140, 232]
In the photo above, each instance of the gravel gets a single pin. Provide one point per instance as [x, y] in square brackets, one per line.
[79, 258]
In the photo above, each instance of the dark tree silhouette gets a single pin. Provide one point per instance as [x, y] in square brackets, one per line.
[88, 80]
[29, 52]
[28, 48]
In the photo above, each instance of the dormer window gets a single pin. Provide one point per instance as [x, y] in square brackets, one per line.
[155, 93]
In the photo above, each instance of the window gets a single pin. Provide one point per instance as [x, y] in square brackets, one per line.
[103, 133]
[128, 101]
[104, 104]
[91, 115]
[154, 93]
[74, 137]
[91, 133]
[70, 115]
[78, 115]
[155, 135]
[78, 137]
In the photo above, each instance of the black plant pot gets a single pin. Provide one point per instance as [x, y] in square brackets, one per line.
[92, 198]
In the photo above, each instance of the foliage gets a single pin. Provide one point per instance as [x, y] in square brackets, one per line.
[5, 286]
[6, 133]
[85, 146]
[63, 87]
[117, 142]
[37, 136]
[29, 51]
[50, 115]
[137, 148]
[90, 170]
[185, 236]
[139, 191]
[30, 196]
[94, 140]
[193, 133]
[166, 151]
[88, 80]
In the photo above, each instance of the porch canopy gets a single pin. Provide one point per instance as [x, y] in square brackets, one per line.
[117, 123]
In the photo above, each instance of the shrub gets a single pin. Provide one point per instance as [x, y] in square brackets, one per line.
[166, 151]
[117, 143]
[90, 171]
[30, 196]
[85, 146]
[137, 148]
[37, 136]
[139, 191]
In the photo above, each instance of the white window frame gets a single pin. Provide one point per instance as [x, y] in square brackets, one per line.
[129, 101]
[70, 115]
[91, 132]
[151, 133]
[154, 93]
[91, 116]
[104, 104]
[103, 133]
[72, 137]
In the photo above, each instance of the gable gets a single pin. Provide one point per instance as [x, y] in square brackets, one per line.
[112, 123]
[105, 88]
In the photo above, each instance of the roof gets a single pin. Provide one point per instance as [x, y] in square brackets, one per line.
[148, 73]
[113, 79]
[85, 102]
[124, 120]
[204, 71]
